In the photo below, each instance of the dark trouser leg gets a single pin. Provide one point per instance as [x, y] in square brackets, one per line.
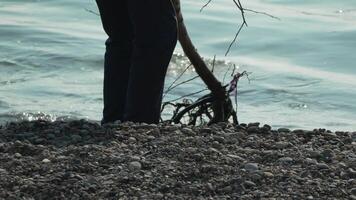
[117, 25]
[155, 31]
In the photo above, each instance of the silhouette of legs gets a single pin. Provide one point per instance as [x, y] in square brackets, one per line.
[142, 38]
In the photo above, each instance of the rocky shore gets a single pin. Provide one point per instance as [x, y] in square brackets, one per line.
[82, 160]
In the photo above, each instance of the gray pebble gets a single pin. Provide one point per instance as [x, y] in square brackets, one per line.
[154, 132]
[51, 136]
[135, 166]
[132, 140]
[310, 161]
[253, 129]
[285, 160]
[2, 170]
[268, 174]
[353, 191]
[329, 135]
[250, 184]
[281, 145]
[188, 131]
[322, 166]
[18, 155]
[251, 167]
[283, 130]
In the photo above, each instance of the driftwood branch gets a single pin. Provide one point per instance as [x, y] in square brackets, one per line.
[200, 66]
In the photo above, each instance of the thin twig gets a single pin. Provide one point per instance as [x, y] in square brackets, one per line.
[183, 82]
[262, 13]
[235, 38]
[214, 60]
[180, 75]
[91, 11]
[205, 5]
[187, 95]
[226, 74]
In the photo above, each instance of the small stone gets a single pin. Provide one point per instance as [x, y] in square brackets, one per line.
[266, 128]
[310, 197]
[329, 135]
[353, 136]
[2, 171]
[217, 145]
[256, 124]
[151, 137]
[281, 145]
[210, 187]
[188, 131]
[256, 177]
[219, 139]
[135, 166]
[268, 174]
[234, 156]
[351, 173]
[76, 137]
[353, 191]
[132, 140]
[342, 165]
[46, 160]
[253, 129]
[39, 140]
[51, 136]
[250, 184]
[251, 167]
[322, 166]
[18, 155]
[154, 132]
[283, 130]
[315, 154]
[285, 160]
[311, 161]
[57, 132]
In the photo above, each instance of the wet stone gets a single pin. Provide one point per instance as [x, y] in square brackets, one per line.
[51, 136]
[135, 166]
[268, 174]
[253, 129]
[132, 140]
[310, 161]
[284, 130]
[353, 191]
[286, 160]
[249, 184]
[188, 131]
[76, 138]
[322, 166]
[18, 155]
[251, 167]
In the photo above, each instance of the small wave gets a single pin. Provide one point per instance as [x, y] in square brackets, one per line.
[28, 116]
[282, 66]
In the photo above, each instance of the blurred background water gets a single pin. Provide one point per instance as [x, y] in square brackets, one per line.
[302, 64]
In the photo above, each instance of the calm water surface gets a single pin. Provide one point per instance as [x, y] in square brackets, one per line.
[302, 64]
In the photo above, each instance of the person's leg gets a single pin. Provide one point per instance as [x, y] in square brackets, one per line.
[155, 37]
[117, 25]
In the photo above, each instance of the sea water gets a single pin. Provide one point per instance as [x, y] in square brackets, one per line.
[301, 55]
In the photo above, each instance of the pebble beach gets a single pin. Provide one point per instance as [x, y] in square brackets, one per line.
[83, 160]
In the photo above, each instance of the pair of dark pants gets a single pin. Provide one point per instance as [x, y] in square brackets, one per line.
[142, 37]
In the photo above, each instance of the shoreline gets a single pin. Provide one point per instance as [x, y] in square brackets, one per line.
[81, 159]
